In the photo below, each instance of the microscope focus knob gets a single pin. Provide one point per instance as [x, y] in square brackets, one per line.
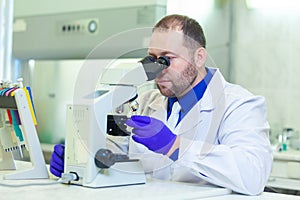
[104, 158]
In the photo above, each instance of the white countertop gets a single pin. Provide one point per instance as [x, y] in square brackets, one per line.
[51, 189]
[284, 183]
[290, 155]
[150, 190]
[263, 196]
[153, 189]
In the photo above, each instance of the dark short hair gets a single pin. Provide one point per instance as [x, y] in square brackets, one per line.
[191, 29]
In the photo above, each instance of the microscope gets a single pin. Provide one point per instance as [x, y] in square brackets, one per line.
[87, 159]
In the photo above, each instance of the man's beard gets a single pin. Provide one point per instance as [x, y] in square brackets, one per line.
[181, 83]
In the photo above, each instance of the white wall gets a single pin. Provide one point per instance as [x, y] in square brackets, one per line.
[214, 17]
[266, 59]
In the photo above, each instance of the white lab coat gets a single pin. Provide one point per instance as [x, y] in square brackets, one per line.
[223, 139]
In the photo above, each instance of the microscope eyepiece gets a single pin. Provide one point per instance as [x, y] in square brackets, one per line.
[154, 69]
[164, 60]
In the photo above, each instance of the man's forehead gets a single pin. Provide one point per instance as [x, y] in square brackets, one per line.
[166, 41]
[166, 37]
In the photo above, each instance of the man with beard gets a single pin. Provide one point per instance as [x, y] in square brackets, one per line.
[219, 134]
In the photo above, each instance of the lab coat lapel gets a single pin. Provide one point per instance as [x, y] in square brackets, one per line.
[208, 103]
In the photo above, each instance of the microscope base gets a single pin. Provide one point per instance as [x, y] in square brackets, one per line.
[120, 174]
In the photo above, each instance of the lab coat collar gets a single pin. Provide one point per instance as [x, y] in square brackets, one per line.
[211, 98]
[209, 101]
[214, 91]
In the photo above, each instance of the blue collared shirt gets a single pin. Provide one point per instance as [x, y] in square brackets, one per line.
[191, 98]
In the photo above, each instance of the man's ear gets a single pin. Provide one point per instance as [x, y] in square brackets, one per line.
[200, 56]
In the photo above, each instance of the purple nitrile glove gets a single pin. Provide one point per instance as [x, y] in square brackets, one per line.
[57, 160]
[152, 133]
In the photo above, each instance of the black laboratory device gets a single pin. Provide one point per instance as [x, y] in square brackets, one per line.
[104, 158]
[153, 69]
[116, 125]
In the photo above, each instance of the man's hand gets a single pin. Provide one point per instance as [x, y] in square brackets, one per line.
[57, 160]
[152, 133]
